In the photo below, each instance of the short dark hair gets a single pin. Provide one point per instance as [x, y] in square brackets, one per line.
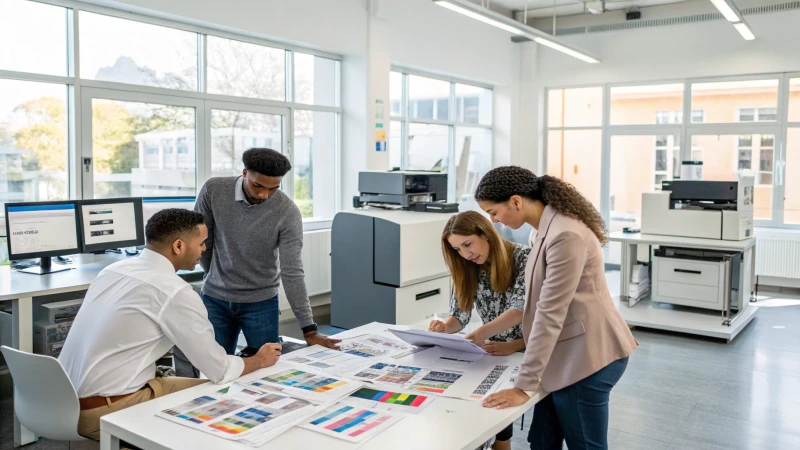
[169, 224]
[266, 161]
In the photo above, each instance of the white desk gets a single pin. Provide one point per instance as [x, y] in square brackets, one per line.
[648, 314]
[446, 423]
[20, 288]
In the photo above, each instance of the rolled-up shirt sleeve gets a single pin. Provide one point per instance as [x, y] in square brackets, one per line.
[184, 320]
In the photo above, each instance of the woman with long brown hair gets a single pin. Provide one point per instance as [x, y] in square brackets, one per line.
[577, 344]
[488, 275]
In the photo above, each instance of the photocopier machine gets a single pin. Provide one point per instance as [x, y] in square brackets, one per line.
[386, 255]
[690, 275]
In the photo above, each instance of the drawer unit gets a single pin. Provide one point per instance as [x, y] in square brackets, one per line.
[700, 284]
[687, 271]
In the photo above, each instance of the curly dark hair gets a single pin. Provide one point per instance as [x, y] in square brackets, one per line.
[499, 184]
[168, 225]
[266, 161]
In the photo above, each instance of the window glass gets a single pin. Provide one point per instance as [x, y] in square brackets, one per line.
[315, 163]
[736, 101]
[644, 105]
[34, 147]
[126, 51]
[243, 69]
[315, 80]
[39, 36]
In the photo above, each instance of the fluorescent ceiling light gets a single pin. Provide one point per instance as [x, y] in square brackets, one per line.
[728, 10]
[566, 50]
[744, 30]
[487, 16]
[480, 17]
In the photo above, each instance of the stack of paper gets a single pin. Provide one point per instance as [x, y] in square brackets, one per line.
[243, 413]
[353, 353]
[639, 286]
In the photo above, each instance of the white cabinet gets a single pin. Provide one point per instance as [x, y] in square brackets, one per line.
[696, 283]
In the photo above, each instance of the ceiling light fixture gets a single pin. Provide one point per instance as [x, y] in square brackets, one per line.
[728, 10]
[744, 30]
[732, 14]
[512, 26]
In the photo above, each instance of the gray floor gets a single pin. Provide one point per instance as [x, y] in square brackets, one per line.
[679, 392]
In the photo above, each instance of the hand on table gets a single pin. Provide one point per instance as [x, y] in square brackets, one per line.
[268, 354]
[506, 398]
[499, 348]
[437, 326]
[318, 339]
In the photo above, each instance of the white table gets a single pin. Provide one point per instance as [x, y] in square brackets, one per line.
[648, 314]
[446, 423]
[20, 288]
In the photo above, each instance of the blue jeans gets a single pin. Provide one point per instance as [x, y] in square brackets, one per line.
[258, 321]
[577, 413]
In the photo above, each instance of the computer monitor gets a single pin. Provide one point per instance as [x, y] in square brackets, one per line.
[42, 230]
[113, 223]
[152, 205]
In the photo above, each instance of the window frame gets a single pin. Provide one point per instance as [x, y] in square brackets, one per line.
[78, 88]
[406, 119]
[688, 128]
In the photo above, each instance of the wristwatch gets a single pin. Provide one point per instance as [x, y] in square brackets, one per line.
[310, 330]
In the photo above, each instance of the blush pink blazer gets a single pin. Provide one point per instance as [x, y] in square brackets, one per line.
[570, 324]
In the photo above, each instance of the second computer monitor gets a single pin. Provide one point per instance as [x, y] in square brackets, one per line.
[111, 223]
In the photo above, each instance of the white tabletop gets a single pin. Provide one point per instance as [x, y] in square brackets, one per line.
[446, 423]
[679, 241]
[84, 270]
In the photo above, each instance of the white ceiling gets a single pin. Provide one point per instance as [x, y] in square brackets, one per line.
[546, 8]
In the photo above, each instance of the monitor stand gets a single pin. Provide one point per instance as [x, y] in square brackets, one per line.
[108, 250]
[45, 267]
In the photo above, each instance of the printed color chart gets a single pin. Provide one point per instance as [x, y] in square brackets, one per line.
[304, 380]
[351, 423]
[394, 398]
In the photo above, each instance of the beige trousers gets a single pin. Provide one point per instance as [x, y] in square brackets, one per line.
[89, 421]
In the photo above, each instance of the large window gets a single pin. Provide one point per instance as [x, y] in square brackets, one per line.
[575, 138]
[163, 106]
[736, 127]
[441, 125]
[126, 51]
[34, 151]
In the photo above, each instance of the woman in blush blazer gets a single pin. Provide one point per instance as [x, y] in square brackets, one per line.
[577, 343]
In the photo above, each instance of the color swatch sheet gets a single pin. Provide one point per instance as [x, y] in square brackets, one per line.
[353, 353]
[351, 423]
[388, 373]
[318, 387]
[374, 345]
[330, 360]
[389, 400]
[242, 413]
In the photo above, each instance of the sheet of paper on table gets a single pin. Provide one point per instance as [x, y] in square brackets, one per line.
[316, 386]
[242, 413]
[422, 337]
[351, 423]
[393, 400]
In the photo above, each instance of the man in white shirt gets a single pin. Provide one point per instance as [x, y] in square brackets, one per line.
[134, 312]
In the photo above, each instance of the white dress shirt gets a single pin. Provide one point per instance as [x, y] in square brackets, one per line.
[134, 312]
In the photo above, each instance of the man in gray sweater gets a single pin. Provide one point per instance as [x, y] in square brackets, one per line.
[255, 239]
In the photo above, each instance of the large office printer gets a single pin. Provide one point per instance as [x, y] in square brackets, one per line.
[387, 266]
[700, 209]
[723, 210]
[416, 191]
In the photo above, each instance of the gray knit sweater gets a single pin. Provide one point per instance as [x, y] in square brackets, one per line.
[241, 260]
